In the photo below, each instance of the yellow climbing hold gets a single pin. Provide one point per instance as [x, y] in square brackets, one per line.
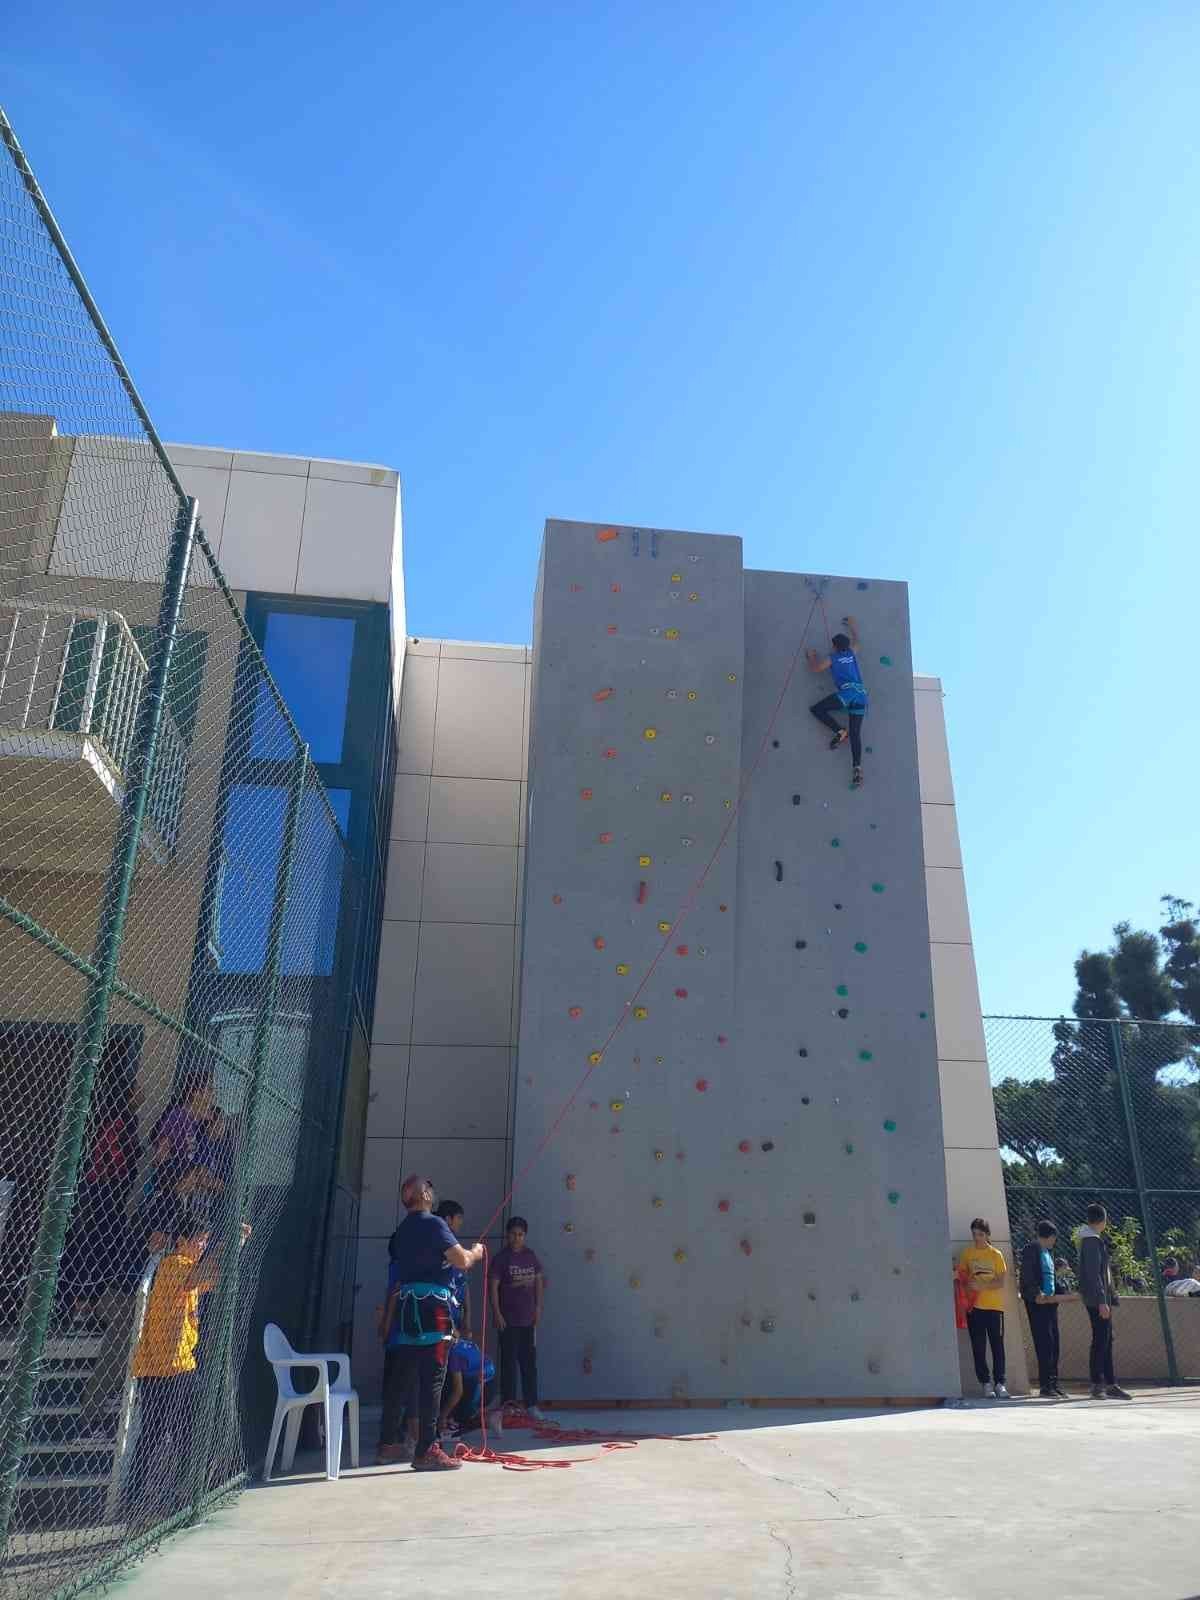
[664, 927]
[643, 861]
[660, 1155]
[658, 1202]
[595, 1058]
[681, 1256]
[640, 1013]
[671, 633]
[622, 970]
[649, 733]
[677, 577]
[692, 695]
[634, 1281]
[616, 1105]
[733, 677]
[665, 796]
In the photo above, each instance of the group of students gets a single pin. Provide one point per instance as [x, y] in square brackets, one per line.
[982, 1271]
[435, 1373]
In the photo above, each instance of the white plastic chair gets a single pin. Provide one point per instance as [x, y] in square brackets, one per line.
[334, 1393]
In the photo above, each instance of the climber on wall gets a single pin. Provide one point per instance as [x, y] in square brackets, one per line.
[849, 694]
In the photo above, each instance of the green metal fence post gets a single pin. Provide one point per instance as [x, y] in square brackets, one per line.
[1139, 1178]
[239, 1195]
[114, 907]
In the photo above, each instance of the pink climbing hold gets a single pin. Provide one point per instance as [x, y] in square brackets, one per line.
[575, 1012]
[593, 1105]
[602, 694]
[702, 1084]
[585, 794]
[744, 1147]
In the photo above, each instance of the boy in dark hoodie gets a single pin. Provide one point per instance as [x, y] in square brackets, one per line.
[1099, 1295]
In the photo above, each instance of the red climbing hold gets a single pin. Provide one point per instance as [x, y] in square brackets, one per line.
[610, 754]
[602, 694]
[612, 627]
[642, 893]
[616, 588]
[598, 942]
[575, 1012]
[681, 949]
[702, 1084]
[723, 1205]
[557, 899]
[681, 994]
[576, 588]
[744, 1147]
[721, 1039]
[746, 1247]
[722, 908]
[585, 794]
[569, 1180]
[606, 838]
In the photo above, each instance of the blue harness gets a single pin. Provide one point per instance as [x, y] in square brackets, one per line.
[412, 1303]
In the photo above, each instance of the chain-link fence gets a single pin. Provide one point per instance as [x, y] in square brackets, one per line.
[1109, 1112]
[176, 949]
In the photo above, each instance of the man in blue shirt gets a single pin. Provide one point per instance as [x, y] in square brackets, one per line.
[849, 694]
[1041, 1297]
[418, 1324]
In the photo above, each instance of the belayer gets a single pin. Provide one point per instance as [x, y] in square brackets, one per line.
[849, 694]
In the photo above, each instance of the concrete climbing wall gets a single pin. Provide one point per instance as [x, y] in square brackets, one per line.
[746, 1196]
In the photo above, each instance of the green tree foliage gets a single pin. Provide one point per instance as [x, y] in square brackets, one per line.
[1068, 1130]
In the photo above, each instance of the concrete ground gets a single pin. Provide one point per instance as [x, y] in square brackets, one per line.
[1025, 1498]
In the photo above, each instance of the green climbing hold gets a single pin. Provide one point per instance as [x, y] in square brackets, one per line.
[885, 661]
[922, 1015]
[865, 1055]
[893, 1196]
[849, 1148]
[860, 947]
[877, 888]
[842, 989]
[889, 1126]
[835, 843]
[870, 749]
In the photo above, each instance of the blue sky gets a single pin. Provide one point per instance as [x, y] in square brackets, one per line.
[894, 289]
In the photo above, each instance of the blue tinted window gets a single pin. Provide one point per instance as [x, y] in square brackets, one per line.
[252, 840]
[309, 657]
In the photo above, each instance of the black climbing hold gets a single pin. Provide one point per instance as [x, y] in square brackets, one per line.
[843, 1013]
[779, 872]
[795, 799]
[804, 1100]
[768, 1145]
[774, 744]
[810, 1219]
[837, 905]
[801, 944]
[854, 1295]
[802, 1051]
[862, 583]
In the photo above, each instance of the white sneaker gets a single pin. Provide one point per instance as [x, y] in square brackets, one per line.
[988, 1392]
[495, 1420]
[1002, 1393]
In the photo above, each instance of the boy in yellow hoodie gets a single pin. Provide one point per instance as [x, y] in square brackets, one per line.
[986, 1270]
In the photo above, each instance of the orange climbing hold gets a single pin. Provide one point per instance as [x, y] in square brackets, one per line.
[603, 694]
[616, 588]
[557, 899]
[606, 535]
[702, 1085]
[598, 942]
[575, 1012]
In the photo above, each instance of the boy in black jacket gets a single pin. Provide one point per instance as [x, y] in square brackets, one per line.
[1099, 1295]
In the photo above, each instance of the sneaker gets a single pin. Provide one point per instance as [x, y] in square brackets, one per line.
[838, 740]
[988, 1392]
[856, 778]
[435, 1459]
[1059, 1392]
[535, 1415]
[1098, 1392]
[1002, 1393]
[390, 1454]
[495, 1420]
[1047, 1394]
[1115, 1392]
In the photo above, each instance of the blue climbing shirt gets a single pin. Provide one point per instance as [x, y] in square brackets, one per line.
[1046, 1261]
[847, 679]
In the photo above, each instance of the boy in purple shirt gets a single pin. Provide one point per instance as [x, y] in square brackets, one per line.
[518, 1289]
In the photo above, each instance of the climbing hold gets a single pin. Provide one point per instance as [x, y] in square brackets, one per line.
[874, 827]
[665, 797]
[610, 754]
[779, 872]
[615, 1128]
[733, 677]
[606, 535]
[837, 905]
[871, 752]
[804, 1100]
[595, 1058]
[643, 861]
[860, 947]
[615, 587]
[854, 1295]
[802, 1051]
[702, 951]
[812, 1294]
[602, 694]
[677, 577]
[585, 794]
[634, 1281]
[692, 694]
[889, 1126]
[640, 1013]
[681, 949]
[843, 1013]
[576, 588]
[728, 804]
[569, 1180]
[795, 799]
[878, 888]
[744, 1147]
[702, 1085]
[885, 661]
[835, 843]
[575, 1012]
[746, 1247]
[746, 1319]
[810, 1219]
[622, 969]
[649, 733]
[693, 595]
[556, 899]
[710, 738]
[674, 594]
[687, 798]
[722, 908]
[774, 744]
[849, 1148]
[660, 1155]
[685, 840]
[658, 1202]
[723, 1205]
[767, 1324]
[606, 838]
[643, 891]
[587, 1366]
[681, 1256]
[721, 1039]
[693, 559]
[598, 942]
[841, 989]
[873, 1366]
[612, 627]
[568, 1227]
[767, 1146]
[672, 694]
[664, 927]
[616, 1105]
[923, 1015]
[589, 1255]
[865, 1055]
[862, 584]
[801, 944]
[671, 633]
[681, 994]
[893, 1196]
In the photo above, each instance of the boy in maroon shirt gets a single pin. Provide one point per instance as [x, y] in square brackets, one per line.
[518, 1290]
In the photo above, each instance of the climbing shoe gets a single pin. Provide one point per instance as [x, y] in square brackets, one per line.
[838, 739]
[435, 1459]
[856, 780]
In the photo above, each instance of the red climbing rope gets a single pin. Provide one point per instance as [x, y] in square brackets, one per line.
[517, 1463]
[516, 1420]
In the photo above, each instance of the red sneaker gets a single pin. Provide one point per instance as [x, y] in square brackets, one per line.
[435, 1459]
